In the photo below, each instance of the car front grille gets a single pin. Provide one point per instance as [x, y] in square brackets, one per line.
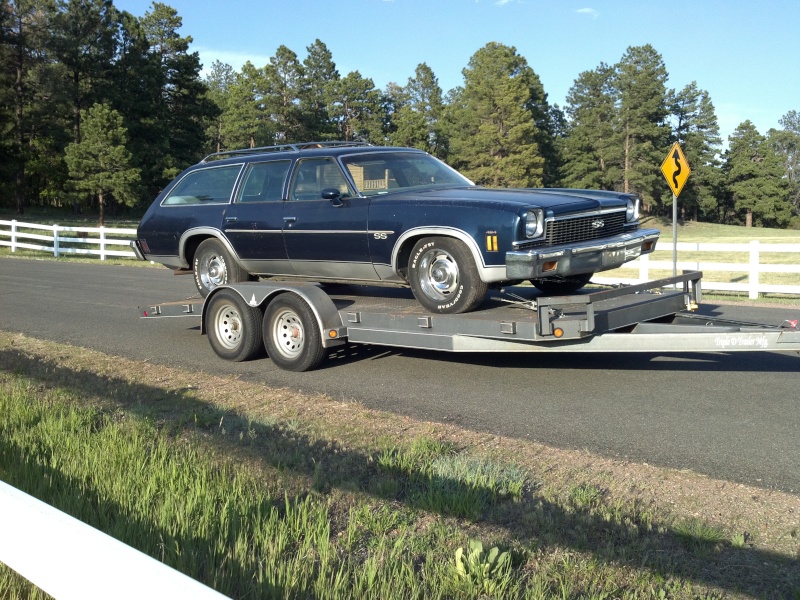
[584, 228]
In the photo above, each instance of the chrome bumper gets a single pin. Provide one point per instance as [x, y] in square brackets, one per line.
[587, 257]
[137, 250]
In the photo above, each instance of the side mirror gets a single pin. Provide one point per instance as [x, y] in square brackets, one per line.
[332, 194]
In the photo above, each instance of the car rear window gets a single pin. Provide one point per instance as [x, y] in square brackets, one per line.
[263, 182]
[205, 186]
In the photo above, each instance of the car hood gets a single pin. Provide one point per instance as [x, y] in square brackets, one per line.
[559, 201]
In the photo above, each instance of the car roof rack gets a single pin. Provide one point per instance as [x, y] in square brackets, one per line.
[296, 147]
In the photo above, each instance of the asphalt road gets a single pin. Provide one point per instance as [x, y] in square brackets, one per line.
[731, 416]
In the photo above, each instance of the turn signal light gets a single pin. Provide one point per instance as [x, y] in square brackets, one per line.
[550, 266]
[558, 332]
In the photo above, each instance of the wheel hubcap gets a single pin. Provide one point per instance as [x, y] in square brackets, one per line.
[439, 274]
[213, 271]
[228, 326]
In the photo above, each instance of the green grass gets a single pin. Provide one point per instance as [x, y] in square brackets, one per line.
[286, 505]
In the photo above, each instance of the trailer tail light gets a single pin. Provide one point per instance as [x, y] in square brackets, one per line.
[558, 332]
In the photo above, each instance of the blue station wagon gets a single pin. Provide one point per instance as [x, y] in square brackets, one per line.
[356, 213]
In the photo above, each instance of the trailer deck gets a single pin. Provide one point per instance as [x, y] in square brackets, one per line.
[652, 317]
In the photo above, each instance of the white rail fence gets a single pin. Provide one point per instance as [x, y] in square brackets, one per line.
[57, 239]
[750, 270]
[70, 560]
[102, 241]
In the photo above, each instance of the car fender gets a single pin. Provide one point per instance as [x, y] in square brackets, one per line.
[205, 232]
[488, 274]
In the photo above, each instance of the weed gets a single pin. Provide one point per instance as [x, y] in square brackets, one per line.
[482, 573]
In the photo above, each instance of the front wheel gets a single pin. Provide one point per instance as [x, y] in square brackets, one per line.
[291, 334]
[214, 266]
[443, 276]
[562, 286]
[233, 326]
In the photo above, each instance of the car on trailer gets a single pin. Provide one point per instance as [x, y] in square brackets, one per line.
[356, 213]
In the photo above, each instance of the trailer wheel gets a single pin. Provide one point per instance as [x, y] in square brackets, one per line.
[291, 334]
[562, 286]
[214, 266]
[233, 327]
[443, 276]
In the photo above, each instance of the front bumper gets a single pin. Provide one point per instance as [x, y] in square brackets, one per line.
[586, 257]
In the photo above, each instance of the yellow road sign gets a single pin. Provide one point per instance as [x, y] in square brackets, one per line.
[675, 169]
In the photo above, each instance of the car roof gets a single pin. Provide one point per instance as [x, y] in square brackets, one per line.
[298, 149]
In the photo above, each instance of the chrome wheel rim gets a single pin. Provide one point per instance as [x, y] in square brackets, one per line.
[213, 270]
[438, 274]
[228, 326]
[288, 334]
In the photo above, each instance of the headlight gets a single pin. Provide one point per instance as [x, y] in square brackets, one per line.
[534, 223]
[632, 211]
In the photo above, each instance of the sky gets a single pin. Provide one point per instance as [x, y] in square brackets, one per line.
[746, 55]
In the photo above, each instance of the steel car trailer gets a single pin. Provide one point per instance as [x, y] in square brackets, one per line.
[298, 321]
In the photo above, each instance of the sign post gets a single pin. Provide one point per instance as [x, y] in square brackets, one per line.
[676, 171]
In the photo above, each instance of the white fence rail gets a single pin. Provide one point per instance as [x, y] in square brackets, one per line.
[750, 270]
[70, 560]
[57, 239]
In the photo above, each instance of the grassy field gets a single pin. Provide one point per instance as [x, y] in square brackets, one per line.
[265, 493]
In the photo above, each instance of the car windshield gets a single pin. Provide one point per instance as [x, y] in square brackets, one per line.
[385, 172]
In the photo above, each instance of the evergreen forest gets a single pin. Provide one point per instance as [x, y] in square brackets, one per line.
[101, 109]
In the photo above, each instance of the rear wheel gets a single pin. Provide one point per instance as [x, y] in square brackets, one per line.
[214, 266]
[443, 276]
[291, 334]
[564, 285]
[233, 327]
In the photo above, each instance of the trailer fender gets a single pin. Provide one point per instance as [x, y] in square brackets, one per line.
[261, 294]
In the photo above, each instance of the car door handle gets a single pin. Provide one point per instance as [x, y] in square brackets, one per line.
[289, 220]
[231, 219]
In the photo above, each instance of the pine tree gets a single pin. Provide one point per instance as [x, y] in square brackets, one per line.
[417, 112]
[641, 132]
[757, 188]
[697, 131]
[85, 43]
[100, 164]
[181, 105]
[491, 127]
[786, 144]
[319, 86]
[357, 109]
[591, 154]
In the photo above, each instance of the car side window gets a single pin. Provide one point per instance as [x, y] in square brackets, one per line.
[263, 182]
[314, 175]
[205, 186]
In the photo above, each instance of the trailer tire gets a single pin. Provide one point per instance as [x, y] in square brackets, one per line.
[233, 327]
[562, 286]
[213, 266]
[291, 334]
[443, 276]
